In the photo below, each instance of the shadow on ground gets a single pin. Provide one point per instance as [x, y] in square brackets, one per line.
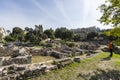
[102, 75]
[106, 58]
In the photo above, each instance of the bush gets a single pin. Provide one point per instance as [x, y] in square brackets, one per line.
[70, 44]
[42, 44]
[117, 42]
[62, 42]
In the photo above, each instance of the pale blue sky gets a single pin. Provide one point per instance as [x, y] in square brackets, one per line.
[50, 13]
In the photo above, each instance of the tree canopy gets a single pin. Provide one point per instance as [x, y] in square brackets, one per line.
[63, 33]
[50, 33]
[111, 12]
[113, 32]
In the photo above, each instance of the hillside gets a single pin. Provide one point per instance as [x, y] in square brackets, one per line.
[98, 67]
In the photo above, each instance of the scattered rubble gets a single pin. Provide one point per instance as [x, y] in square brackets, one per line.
[18, 65]
[105, 49]
[117, 50]
[88, 46]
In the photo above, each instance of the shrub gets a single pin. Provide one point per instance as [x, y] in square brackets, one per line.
[117, 42]
[70, 44]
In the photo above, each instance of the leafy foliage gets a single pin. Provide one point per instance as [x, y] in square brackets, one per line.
[113, 34]
[71, 44]
[76, 37]
[111, 12]
[37, 34]
[63, 33]
[28, 35]
[50, 33]
[91, 35]
[17, 34]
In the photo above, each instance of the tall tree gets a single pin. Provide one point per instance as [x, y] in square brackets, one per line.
[92, 35]
[50, 33]
[38, 29]
[17, 34]
[63, 33]
[59, 32]
[111, 12]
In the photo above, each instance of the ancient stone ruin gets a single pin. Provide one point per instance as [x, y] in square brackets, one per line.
[17, 57]
[9, 65]
[18, 66]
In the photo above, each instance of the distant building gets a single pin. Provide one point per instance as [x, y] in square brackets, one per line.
[84, 31]
[83, 35]
[90, 29]
[76, 30]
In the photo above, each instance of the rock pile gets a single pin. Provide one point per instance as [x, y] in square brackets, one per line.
[105, 49]
[17, 72]
[4, 52]
[88, 46]
[117, 50]
[18, 57]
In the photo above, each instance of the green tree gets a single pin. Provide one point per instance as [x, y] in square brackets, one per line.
[67, 35]
[92, 35]
[38, 29]
[35, 35]
[111, 12]
[63, 33]
[76, 37]
[113, 34]
[9, 38]
[17, 34]
[59, 32]
[17, 30]
[29, 34]
[50, 33]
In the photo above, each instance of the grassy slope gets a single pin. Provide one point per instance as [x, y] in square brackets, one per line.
[91, 69]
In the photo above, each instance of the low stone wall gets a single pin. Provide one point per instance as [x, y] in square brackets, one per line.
[17, 71]
[4, 52]
[17, 60]
[62, 62]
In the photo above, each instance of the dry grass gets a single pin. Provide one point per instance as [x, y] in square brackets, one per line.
[37, 59]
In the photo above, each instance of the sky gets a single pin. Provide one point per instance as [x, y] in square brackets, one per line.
[50, 13]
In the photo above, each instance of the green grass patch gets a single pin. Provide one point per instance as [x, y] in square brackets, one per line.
[72, 71]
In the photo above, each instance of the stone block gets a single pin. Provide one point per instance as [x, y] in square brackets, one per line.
[76, 59]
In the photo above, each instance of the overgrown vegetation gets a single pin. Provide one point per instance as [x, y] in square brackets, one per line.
[111, 16]
[111, 12]
[71, 44]
[114, 35]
